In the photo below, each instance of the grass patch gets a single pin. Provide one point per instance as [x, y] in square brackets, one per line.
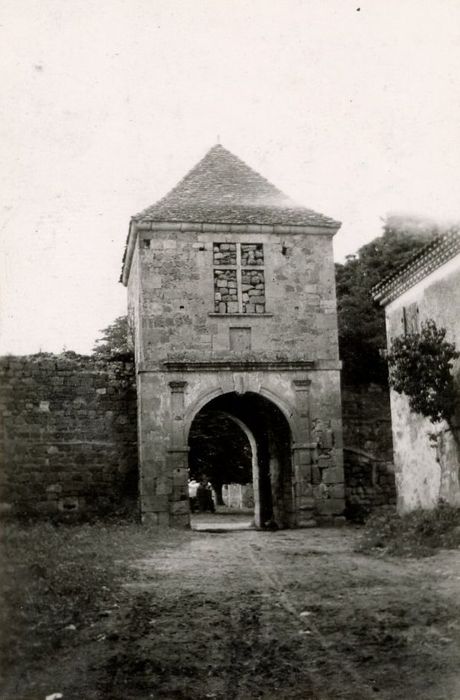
[419, 533]
[57, 582]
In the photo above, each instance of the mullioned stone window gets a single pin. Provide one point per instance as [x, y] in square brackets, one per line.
[239, 280]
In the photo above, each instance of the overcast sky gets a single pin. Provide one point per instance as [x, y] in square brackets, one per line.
[351, 108]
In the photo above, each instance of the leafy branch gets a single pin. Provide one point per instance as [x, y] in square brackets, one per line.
[420, 367]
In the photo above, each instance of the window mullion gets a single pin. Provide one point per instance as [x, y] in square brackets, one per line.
[238, 278]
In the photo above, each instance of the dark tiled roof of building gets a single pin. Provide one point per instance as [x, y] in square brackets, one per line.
[221, 188]
[439, 251]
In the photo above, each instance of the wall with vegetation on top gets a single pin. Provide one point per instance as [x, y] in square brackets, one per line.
[68, 444]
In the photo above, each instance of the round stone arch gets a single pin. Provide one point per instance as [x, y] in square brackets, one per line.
[289, 411]
[195, 407]
[267, 424]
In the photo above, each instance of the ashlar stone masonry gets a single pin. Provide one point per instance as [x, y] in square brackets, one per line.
[231, 294]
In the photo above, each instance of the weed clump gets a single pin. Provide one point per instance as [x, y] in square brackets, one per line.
[419, 533]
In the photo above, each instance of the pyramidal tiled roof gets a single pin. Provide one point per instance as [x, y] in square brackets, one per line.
[221, 188]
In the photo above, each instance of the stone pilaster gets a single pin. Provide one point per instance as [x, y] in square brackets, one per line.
[302, 456]
[177, 458]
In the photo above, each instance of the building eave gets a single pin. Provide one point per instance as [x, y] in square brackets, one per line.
[428, 259]
[128, 254]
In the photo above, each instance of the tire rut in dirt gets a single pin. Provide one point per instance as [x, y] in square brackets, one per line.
[330, 675]
[264, 655]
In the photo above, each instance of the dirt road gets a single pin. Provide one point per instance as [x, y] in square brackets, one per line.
[286, 615]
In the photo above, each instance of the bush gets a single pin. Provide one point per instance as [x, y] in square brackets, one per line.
[416, 534]
[420, 367]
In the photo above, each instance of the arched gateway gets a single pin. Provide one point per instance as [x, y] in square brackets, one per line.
[269, 435]
[231, 298]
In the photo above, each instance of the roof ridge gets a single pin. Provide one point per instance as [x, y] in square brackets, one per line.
[219, 147]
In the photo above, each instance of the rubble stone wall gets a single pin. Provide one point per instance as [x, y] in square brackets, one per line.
[68, 444]
[225, 291]
[242, 279]
[368, 449]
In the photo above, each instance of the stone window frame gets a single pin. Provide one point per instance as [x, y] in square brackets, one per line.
[238, 267]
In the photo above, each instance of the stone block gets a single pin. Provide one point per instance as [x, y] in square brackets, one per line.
[180, 507]
[180, 520]
[179, 492]
[151, 518]
[163, 519]
[163, 486]
[332, 475]
[305, 520]
[180, 474]
[54, 490]
[304, 488]
[156, 503]
[153, 282]
[305, 502]
[337, 491]
[330, 506]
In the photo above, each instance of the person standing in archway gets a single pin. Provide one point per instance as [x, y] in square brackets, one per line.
[204, 496]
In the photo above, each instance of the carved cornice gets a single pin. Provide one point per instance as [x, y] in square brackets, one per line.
[239, 365]
[236, 365]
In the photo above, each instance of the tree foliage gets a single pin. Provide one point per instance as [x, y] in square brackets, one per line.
[361, 321]
[219, 449]
[420, 366]
[114, 342]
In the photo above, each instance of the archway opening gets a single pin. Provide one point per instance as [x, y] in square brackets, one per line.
[241, 445]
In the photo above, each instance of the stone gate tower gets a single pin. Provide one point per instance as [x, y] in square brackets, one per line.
[231, 296]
